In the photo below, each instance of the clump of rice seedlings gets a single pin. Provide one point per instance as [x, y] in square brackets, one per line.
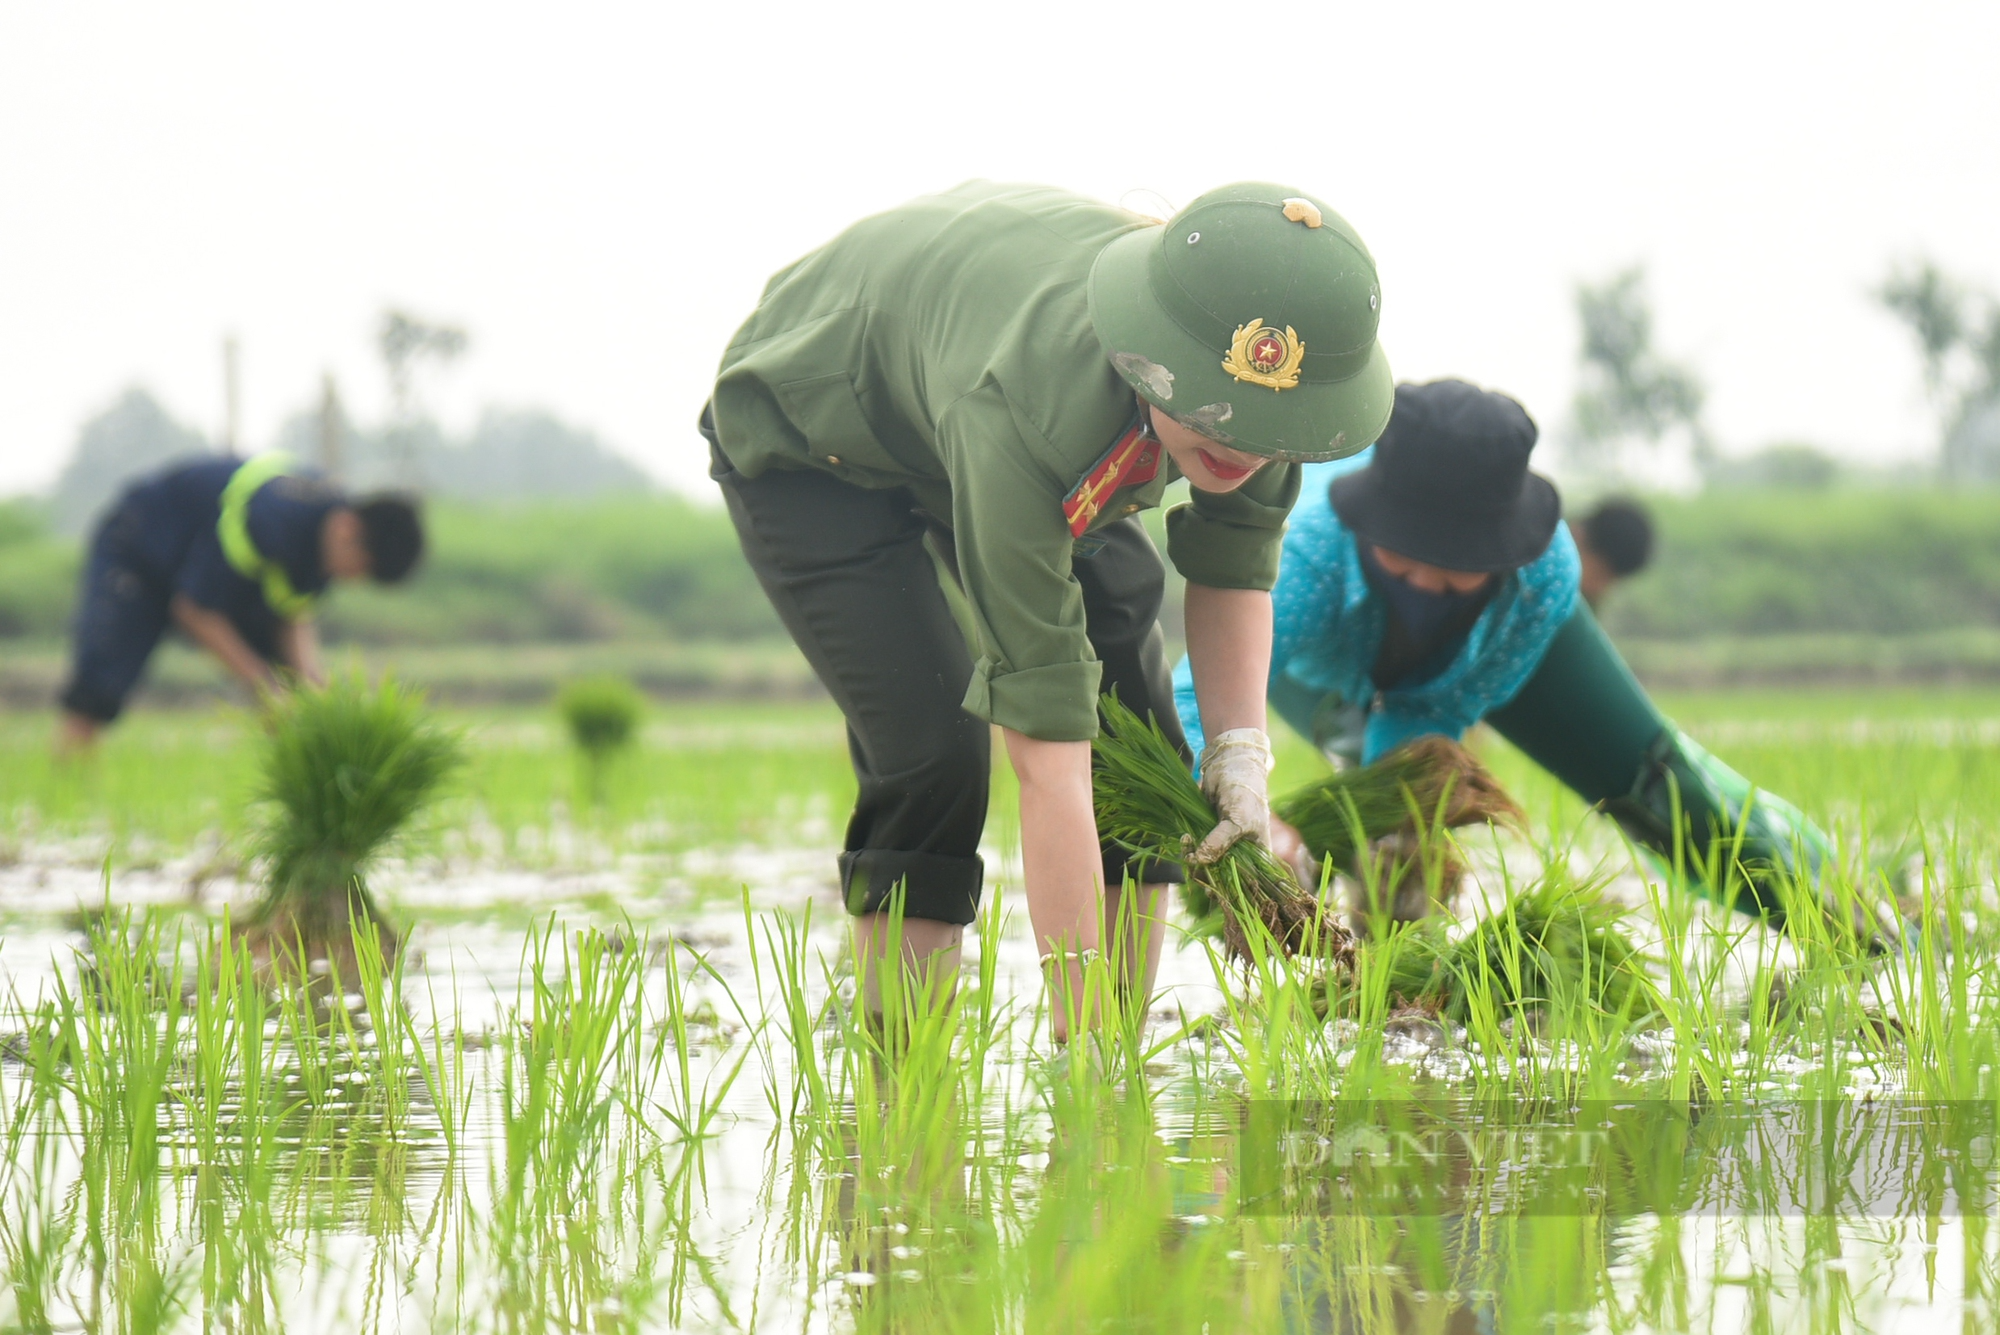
[1555, 942]
[1148, 801]
[602, 714]
[1405, 798]
[345, 768]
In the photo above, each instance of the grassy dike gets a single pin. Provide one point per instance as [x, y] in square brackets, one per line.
[1840, 587]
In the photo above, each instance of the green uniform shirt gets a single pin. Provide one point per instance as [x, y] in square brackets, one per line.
[945, 346]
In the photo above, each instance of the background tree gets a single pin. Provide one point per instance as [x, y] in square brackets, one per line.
[1786, 466]
[1957, 329]
[1629, 393]
[1933, 306]
[525, 454]
[1986, 353]
[532, 453]
[133, 436]
[406, 341]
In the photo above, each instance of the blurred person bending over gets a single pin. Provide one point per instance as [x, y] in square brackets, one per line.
[1614, 542]
[233, 553]
[934, 437]
[1428, 583]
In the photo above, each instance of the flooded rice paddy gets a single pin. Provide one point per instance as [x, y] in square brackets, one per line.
[615, 1081]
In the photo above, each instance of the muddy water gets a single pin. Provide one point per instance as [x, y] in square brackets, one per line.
[1034, 1199]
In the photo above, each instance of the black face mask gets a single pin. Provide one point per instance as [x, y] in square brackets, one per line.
[1421, 612]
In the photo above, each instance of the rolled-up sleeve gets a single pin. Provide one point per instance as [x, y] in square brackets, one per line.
[1033, 669]
[1230, 540]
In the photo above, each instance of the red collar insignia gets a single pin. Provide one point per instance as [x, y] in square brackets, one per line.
[1132, 459]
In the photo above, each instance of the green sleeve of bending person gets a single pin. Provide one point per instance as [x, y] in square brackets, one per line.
[925, 374]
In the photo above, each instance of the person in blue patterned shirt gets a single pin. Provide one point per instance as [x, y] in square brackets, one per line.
[1429, 583]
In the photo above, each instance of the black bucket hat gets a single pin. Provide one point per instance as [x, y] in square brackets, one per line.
[1449, 484]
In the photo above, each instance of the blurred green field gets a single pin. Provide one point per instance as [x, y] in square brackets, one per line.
[1749, 586]
[700, 775]
[708, 772]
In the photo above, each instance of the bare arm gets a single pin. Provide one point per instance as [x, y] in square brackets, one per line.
[212, 631]
[1229, 648]
[298, 642]
[1060, 860]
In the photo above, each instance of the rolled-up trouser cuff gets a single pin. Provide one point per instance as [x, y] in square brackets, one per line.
[79, 699]
[941, 887]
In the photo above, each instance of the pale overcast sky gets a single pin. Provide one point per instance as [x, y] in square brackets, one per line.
[597, 193]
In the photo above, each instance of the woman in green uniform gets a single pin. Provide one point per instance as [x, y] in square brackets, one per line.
[934, 435]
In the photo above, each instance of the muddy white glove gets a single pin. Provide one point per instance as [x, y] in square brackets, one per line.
[1236, 777]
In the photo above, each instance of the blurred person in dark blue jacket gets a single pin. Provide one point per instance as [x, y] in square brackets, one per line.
[1614, 542]
[234, 553]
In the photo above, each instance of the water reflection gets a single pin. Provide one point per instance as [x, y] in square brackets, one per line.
[638, 1148]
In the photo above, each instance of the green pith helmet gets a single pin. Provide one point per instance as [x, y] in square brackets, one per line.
[1250, 317]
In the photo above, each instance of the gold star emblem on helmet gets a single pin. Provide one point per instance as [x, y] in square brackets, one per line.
[1263, 356]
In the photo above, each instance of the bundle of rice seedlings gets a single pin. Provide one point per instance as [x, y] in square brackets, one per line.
[346, 768]
[1549, 940]
[1431, 783]
[1380, 823]
[1148, 801]
[602, 714]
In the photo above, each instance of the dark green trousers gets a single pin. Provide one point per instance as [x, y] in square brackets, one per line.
[858, 577]
[1583, 716]
[1585, 719]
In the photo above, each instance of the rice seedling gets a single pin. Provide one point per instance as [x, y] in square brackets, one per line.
[1432, 780]
[602, 714]
[575, 1071]
[346, 769]
[1148, 801]
[692, 1105]
[781, 939]
[1382, 822]
[1556, 943]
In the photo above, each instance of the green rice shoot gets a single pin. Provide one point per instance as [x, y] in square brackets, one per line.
[1148, 802]
[602, 714]
[346, 768]
[1555, 943]
[1429, 784]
